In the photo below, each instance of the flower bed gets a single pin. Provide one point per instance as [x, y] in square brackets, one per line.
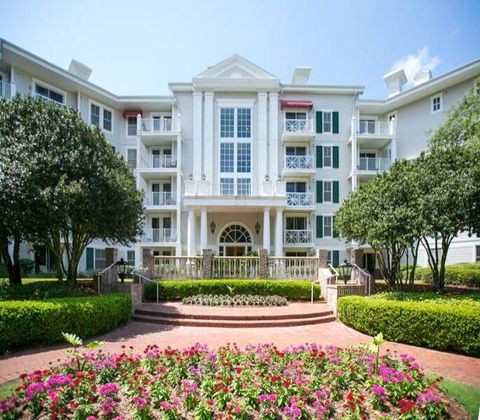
[237, 300]
[177, 290]
[260, 381]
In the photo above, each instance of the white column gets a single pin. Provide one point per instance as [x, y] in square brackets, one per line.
[273, 110]
[266, 229]
[191, 240]
[203, 230]
[354, 153]
[279, 233]
[208, 140]
[197, 136]
[262, 164]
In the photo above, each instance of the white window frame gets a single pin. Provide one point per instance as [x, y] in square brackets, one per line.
[331, 225]
[102, 259]
[327, 111]
[126, 129]
[235, 140]
[102, 109]
[127, 259]
[331, 156]
[36, 82]
[476, 258]
[328, 181]
[432, 99]
[126, 156]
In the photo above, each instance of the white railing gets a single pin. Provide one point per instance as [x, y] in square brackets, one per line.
[373, 164]
[298, 162]
[363, 278]
[160, 199]
[6, 90]
[163, 161]
[178, 267]
[335, 274]
[297, 199]
[235, 188]
[298, 125]
[298, 236]
[235, 267]
[159, 235]
[293, 268]
[156, 125]
[375, 128]
[144, 280]
[47, 99]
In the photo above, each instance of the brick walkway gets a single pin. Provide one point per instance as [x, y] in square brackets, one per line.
[137, 334]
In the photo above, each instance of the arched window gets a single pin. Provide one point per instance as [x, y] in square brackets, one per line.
[235, 234]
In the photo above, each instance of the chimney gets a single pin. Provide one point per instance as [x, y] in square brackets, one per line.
[422, 76]
[395, 81]
[80, 70]
[300, 75]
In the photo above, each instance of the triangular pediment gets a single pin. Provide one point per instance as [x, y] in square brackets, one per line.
[237, 71]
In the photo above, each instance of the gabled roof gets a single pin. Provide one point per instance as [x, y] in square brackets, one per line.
[236, 73]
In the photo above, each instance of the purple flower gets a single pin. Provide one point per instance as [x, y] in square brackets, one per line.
[108, 388]
[378, 390]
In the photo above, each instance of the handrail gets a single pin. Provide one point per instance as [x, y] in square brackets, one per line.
[335, 272]
[142, 277]
[361, 269]
[311, 288]
[100, 274]
[106, 269]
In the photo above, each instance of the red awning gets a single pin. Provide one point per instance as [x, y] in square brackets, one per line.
[132, 113]
[296, 104]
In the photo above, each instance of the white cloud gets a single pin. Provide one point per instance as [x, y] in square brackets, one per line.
[412, 63]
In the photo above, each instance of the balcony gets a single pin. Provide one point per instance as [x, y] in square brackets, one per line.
[297, 165]
[155, 131]
[376, 129]
[158, 199]
[370, 164]
[154, 166]
[6, 90]
[298, 130]
[298, 237]
[300, 201]
[158, 236]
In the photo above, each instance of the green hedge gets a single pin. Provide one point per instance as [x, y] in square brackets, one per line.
[442, 325]
[39, 291]
[26, 323]
[459, 275]
[177, 290]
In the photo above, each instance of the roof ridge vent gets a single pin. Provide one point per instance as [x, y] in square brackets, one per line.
[79, 69]
[422, 76]
[301, 75]
[395, 81]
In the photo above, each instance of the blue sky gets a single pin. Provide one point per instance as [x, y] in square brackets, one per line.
[137, 47]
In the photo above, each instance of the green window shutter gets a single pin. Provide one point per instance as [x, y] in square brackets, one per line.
[336, 258]
[89, 258]
[336, 156]
[335, 122]
[336, 192]
[319, 158]
[319, 226]
[319, 191]
[319, 121]
[335, 233]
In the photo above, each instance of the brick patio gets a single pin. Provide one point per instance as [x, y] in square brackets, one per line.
[139, 335]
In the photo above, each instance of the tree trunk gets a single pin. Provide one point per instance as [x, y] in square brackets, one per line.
[17, 269]
[8, 260]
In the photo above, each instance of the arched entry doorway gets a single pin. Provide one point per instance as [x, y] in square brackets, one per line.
[235, 241]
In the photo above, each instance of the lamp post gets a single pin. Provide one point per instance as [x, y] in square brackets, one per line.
[345, 270]
[121, 267]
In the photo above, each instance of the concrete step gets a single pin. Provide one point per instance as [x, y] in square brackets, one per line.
[238, 323]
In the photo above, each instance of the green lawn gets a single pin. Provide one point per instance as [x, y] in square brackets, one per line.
[29, 280]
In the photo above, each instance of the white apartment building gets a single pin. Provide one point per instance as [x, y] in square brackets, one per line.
[235, 160]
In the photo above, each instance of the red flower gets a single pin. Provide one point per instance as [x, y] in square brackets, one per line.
[406, 405]
[286, 384]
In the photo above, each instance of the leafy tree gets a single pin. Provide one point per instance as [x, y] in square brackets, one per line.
[71, 180]
[382, 214]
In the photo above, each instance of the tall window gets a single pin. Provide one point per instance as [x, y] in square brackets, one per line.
[132, 158]
[327, 121]
[107, 120]
[327, 191]
[131, 258]
[94, 114]
[437, 103]
[327, 226]
[100, 259]
[327, 156]
[235, 151]
[477, 256]
[132, 126]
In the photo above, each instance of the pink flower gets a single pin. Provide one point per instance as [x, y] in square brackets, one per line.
[378, 390]
[108, 388]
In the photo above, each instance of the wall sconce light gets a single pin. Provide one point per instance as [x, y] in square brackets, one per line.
[204, 177]
[213, 226]
[257, 227]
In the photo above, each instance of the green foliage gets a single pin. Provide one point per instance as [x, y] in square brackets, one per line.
[72, 339]
[455, 275]
[27, 266]
[177, 290]
[27, 323]
[39, 291]
[466, 395]
[62, 184]
[443, 323]
[236, 300]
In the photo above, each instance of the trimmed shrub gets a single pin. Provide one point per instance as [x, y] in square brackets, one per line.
[26, 323]
[39, 291]
[457, 275]
[177, 290]
[446, 324]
